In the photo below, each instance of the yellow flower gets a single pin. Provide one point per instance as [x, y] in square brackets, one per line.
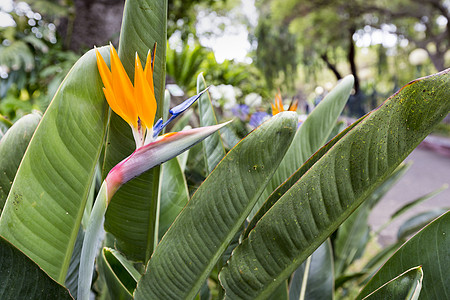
[135, 104]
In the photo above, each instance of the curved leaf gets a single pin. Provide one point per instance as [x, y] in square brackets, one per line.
[353, 235]
[405, 286]
[319, 281]
[12, 148]
[120, 275]
[334, 187]
[21, 278]
[417, 222]
[201, 233]
[428, 248]
[311, 135]
[131, 215]
[174, 194]
[283, 188]
[46, 203]
[213, 149]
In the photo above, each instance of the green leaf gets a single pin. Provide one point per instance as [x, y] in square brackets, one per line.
[281, 293]
[120, 275]
[213, 149]
[405, 286]
[429, 249]
[353, 235]
[417, 222]
[334, 187]
[12, 148]
[174, 194]
[119, 282]
[201, 233]
[72, 274]
[131, 215]
[46, 203]
[311, 135]
[21, 278]
[283, 188]
[315, 281]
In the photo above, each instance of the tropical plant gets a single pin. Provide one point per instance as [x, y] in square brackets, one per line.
[160, 242]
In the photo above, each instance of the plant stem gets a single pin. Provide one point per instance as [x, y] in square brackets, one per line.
[91, 242]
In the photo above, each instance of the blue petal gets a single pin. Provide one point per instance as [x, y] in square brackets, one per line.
[157, 127]
[185, 105]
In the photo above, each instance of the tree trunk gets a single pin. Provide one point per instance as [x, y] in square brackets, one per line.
[96, 23]
[331, 66]
[351, 58]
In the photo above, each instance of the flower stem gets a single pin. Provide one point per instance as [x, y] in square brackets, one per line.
[91, 242]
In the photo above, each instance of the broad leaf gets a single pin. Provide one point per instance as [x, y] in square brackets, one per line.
[314, 280]
[353, 235]
[131, 215]
[429, 249]
[334, 187]
[283, 188]
[405, 286]
[213, 149]
[46, 203]
[201, 233]
[12, 148]
[311, 135]
[281, 293]
[174, 194]
[21, 278]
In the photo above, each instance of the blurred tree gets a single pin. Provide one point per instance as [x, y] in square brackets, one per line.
[78, 20]
[32, 63]
[276, 53]
[182, 15]
[327, 31]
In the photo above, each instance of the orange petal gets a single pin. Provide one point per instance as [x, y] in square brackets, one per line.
[103, 69]
[123, 89]
[274, 110]
[109, 95]
[145, 99]
[293, 106]
[148, 71]
[279, 102]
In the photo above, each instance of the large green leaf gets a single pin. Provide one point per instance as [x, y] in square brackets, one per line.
[205, 227]
[213, 149]
[174, 194]
[21, 278]
[283, 188]
[405, 286]
[316, 279]
[131, 215]
[429, 249]
[12, 148]
[334, 187]
[311, 135]
[46, 203]
[353, 235]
